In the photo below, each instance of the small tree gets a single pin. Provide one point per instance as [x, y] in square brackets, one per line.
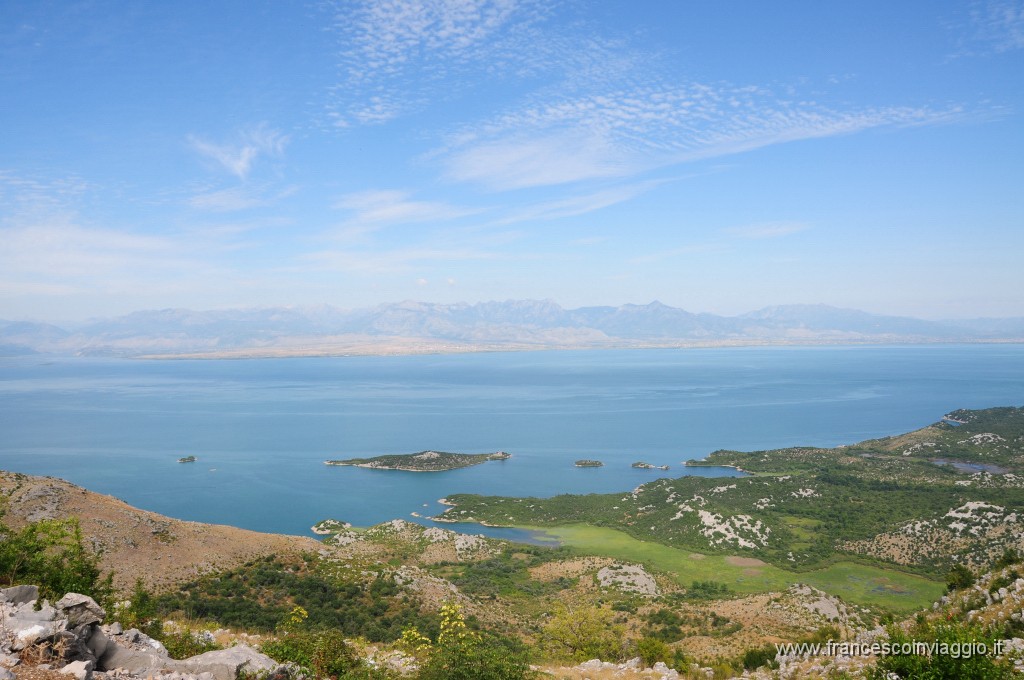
[52, 555]
[583, 633]
[463, 654]
[651, 650]
[1009, 556]
[959, 577]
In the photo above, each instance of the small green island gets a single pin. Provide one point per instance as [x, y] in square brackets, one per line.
[188, 459]
[424, 461]
[647, 466]
[586, 462]
[327, 527]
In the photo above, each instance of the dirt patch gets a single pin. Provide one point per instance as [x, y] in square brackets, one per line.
[697, 556]
[737, 561]
[549, 571]
[136, 544]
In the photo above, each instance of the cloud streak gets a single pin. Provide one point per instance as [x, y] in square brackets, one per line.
[999, 23]
[374, 209]
[396, 56]
[239, 157]
[625, 132]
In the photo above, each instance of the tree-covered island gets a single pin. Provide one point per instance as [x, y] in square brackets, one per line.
[424, 461]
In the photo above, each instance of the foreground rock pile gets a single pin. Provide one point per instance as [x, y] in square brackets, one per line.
[70, 637]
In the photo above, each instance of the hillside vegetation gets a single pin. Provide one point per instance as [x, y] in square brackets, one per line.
[947, 494]
[690, 577]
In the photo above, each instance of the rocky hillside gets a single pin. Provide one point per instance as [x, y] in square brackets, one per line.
[401, 572]
[134, 543]
[69, 636]
[947, 494]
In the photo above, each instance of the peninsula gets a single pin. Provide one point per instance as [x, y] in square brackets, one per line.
[424, 461]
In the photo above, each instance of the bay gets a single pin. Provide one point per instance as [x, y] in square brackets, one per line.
[261, 429]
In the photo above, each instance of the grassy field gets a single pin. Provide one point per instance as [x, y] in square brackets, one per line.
[859, 584]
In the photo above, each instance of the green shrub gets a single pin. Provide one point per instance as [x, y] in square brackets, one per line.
[938, 666]
[141, 612]
[184, 644]
[324, 653]
[260, 594]
[583, 633]
[1003, 581]
[1009, 556]
[651, 650]
[760, 656]
[51, 554]
[463, 654]
[959, 578]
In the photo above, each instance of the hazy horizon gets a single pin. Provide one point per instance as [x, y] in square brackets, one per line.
[717, 158]
[78, 321]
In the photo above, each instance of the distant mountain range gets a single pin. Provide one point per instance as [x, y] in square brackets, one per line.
[513, 324]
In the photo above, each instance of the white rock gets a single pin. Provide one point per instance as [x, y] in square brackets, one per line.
[80, 609]
[81, 670]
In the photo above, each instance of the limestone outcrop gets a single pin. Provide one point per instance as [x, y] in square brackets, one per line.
[72, 636]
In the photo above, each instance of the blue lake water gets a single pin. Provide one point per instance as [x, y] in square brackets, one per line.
[261, 429]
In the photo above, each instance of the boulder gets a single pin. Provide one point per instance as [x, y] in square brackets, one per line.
[6, 674]
[135, 661]
[81, 670]
[228, 664]
[25, 627]
[98, 643]
[20, 594]
[80, 609]
[76, 643]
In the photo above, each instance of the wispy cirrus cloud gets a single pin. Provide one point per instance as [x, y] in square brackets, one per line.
[389, 36]
[377, 208]
[235, 199]
[237, 157]
[580, 204]
[397, 55]
[624, 132]
[23, 193]
[999, 24]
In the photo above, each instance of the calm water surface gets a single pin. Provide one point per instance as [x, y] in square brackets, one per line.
[262, 428]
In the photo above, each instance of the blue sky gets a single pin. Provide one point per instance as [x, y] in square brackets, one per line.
[716, 156]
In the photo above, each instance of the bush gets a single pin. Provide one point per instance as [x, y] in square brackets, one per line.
[185, 644]
[324, 653]
[50, 554]
[943, 666]
[652, 650]
[760, 656]
[463, 654]
[583, 633]
[1009, 556]
[959, 578]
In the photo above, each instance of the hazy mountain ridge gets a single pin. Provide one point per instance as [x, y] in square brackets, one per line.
[522, 323]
